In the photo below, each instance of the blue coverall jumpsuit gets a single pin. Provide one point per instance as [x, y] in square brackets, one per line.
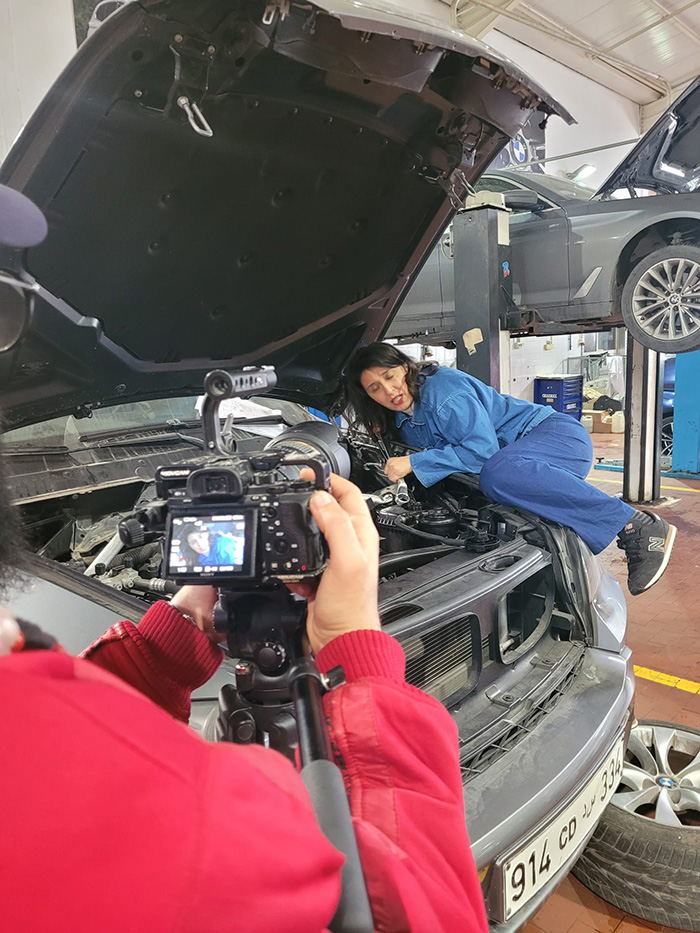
[526, 455]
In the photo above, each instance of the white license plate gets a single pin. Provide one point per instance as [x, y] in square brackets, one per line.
[530, 868]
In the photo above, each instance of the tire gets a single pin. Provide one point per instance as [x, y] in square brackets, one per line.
[646, 867]
[660, 300]
[667, 436]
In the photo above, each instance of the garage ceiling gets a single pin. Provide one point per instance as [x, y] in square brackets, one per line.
[646, 50]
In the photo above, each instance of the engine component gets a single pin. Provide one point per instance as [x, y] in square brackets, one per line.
[439, 521]
[317, 439]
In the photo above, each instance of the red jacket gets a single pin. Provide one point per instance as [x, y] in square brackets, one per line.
[117, 818]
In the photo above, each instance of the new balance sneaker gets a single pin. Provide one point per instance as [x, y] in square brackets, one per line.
[648, 541]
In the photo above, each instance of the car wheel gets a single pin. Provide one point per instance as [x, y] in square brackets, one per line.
[667, 436]
[661, 300]
[644, 856]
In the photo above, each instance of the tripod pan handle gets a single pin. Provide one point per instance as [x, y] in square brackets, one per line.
[324, 783]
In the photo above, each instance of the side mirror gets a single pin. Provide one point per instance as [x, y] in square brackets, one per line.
[521, 200]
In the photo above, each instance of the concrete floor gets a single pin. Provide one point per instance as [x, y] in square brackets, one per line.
[663, 627]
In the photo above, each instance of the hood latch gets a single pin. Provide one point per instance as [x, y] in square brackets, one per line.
[193, 60]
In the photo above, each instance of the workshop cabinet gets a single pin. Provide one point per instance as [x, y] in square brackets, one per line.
[562, 393]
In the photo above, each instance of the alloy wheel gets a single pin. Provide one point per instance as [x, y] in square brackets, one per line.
[667, 438]
[661, 775]
[666, 299]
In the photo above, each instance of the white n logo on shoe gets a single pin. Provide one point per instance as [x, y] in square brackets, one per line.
[656, 544]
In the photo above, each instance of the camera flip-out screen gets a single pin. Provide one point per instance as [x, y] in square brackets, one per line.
[209, 546]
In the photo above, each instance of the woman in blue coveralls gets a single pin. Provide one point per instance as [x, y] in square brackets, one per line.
[210, 549]
[526, 455]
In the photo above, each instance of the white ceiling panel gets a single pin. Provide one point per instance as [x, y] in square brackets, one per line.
[645, 50]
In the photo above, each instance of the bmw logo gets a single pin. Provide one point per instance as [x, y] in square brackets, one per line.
[518, 150]
[666, 782]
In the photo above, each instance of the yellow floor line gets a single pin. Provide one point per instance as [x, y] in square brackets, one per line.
[688, 685]
[595, 479]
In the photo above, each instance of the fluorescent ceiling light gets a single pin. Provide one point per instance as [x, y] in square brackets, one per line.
[583, 171]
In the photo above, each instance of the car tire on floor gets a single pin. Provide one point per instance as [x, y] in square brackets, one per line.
[660, 300]
[644, 856]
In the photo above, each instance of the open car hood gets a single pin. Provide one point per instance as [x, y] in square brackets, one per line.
[234, 183]
[665, 160]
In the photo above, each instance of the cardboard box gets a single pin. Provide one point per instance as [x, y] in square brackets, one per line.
[602, 420]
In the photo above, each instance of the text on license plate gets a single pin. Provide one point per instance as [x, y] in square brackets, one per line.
[531, 868]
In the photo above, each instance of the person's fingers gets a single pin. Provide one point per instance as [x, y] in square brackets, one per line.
[345, 492]
[305, 589]
[350, 500]
[335, 524]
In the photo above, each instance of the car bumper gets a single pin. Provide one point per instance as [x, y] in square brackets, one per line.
[521, 794]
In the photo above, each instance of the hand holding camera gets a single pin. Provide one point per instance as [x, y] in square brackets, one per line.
[345, 599]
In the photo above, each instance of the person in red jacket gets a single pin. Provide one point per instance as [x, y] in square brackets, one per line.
[116, 816]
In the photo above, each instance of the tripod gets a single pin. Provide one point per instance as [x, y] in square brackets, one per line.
[276, 701]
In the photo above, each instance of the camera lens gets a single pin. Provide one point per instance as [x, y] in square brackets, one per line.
[317, 439]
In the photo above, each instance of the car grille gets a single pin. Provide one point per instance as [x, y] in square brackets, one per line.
[446, 662]
[510, 732]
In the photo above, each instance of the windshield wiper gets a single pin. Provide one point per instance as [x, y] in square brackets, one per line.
[61, 450]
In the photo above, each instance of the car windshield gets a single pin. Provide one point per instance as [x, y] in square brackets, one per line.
[565, 188]
[68, 431]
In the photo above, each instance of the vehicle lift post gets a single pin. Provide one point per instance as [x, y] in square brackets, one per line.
[643, 413]
[483, 288]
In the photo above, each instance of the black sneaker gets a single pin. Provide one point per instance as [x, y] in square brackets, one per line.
[648, 541]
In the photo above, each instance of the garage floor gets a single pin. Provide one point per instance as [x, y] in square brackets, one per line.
[662, 632]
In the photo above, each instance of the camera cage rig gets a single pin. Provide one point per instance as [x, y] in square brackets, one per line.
[264, 627]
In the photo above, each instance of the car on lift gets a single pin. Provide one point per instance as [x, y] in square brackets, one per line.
[585, 260]
[231, 185]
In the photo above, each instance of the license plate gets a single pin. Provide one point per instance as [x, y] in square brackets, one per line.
[531, 867]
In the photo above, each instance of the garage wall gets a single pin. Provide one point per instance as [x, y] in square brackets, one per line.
[603, 116]
[531, 357]
[37, 38]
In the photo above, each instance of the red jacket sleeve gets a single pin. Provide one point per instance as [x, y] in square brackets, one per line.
[165, 658]
[398, 750]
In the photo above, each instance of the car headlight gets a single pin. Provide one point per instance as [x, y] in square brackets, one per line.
[607, 603]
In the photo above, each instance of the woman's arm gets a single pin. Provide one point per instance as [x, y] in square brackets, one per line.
[465, 439]
[165, 658]
[399, 751]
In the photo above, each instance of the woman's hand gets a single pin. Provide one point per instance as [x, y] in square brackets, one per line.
[346, 597]
[197, 603]
[397, 467]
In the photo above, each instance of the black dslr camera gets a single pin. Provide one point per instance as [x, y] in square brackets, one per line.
[237, 522]
[241, 521]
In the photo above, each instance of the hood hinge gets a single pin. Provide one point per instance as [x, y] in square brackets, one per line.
[457, 188]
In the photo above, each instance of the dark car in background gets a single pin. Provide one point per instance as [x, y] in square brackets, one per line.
[585, 260]
[669, 397]
[240, 184]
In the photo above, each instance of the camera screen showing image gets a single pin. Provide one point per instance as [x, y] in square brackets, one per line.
[210, 546]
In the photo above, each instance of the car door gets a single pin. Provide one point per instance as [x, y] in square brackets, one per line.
[539, 246]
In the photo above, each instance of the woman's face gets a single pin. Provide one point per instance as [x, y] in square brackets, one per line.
[387, 386]
[199, 541]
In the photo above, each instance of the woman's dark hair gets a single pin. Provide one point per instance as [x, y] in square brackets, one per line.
[363, 410]
[188, 552]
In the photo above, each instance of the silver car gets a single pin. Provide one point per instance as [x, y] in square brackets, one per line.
[235, 184]
[585, 260]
